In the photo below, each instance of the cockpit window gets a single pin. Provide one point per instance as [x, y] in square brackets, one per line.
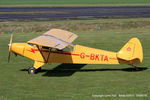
[69, 49]
[45, 47]
[32, 45]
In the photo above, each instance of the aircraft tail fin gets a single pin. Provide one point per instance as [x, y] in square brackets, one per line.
[132, 52]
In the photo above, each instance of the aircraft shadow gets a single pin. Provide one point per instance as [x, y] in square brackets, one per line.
[64, 70]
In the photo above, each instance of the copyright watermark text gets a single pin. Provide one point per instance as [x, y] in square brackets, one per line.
[119, 95]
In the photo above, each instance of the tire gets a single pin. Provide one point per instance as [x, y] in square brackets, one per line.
[32, 70]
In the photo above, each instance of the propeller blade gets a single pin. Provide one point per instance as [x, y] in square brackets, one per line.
[9, 56]
[10, 38]
[10, 43]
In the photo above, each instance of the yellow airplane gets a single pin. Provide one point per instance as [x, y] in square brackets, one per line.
[55, 46]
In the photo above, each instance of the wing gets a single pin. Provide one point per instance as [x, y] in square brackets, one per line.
[55, 38]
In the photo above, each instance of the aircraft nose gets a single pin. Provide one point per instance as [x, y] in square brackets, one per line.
[18, 48]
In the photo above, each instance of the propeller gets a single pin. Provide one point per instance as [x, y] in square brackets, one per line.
[10, 43]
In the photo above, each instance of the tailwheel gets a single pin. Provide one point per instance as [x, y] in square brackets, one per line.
[136, 68]
[32, 70]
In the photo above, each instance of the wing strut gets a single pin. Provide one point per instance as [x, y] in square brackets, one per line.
[48, 55]
[41, 53]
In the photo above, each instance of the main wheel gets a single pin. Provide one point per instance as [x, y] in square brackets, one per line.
[32, 70]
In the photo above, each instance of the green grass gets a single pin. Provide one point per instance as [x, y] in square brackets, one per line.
[73, 2]
[79, 84]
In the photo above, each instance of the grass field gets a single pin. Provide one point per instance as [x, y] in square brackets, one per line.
[73, 2]
[76, 82]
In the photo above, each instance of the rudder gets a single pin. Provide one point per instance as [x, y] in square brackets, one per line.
[132, 52]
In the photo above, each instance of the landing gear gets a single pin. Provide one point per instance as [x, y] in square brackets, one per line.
[136, 69]
[36, 67]
[32, 70]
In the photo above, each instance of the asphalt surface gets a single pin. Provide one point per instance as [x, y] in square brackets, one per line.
[73, 13]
